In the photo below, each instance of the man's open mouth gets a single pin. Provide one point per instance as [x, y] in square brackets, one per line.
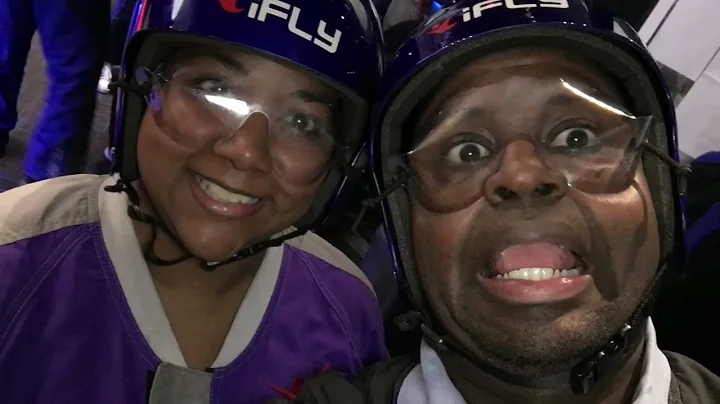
[536, 261]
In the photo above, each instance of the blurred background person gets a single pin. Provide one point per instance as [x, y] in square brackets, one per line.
[73, 35]
[119, 26]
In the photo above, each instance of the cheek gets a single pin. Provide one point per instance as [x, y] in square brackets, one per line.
[429, 232]
[161, 163]
[293, 201]
[156, 153]
[649, 254]
[300, 171]
[629, 221]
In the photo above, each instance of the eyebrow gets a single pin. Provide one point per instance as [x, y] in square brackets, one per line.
[602, 100]
[237, 66]
[229, 63]
[428, 125]
[560, 99]
[589, 90]
[476, 114]
[452, 112]
[314, 97]
[216, 55]
[305, 95]
[563, 100]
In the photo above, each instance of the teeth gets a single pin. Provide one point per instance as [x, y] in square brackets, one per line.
[221, 194]
[539, 274]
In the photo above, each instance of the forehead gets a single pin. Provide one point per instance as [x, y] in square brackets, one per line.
[234, 61]
[535, 63]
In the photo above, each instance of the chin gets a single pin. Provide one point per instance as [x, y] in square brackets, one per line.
[209, 243]
[213, 253]
[212, 250]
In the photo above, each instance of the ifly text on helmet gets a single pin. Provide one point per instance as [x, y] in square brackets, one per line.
[285, 11]
[476, 11]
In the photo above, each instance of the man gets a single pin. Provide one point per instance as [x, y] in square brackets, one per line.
[73, 35]
[533, 207]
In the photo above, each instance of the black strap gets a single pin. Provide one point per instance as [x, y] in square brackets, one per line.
[329, 388]
[136, 214]
[378, 384]
[581, 378]
[382, 383]
[149, 249]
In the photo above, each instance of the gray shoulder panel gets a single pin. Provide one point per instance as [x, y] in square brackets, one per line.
[320, 248]
[46, 206]
[691, 382]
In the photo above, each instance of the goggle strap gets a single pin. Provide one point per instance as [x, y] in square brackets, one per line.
[370, 203]
[682, 171]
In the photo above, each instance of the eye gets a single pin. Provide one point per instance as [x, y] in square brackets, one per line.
[575, 139]
[467, 153]
[213, 86]
[302, 123]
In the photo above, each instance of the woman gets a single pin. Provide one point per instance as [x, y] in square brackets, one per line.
[189, 276]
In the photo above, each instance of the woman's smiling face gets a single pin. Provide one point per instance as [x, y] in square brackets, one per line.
[234, 148]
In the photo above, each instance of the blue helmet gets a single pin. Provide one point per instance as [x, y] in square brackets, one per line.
[463, 30]
[338, 42]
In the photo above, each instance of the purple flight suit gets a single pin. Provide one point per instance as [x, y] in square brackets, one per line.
[81, 321]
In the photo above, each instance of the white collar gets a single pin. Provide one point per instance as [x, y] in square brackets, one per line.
[139, 289]
[654, 386]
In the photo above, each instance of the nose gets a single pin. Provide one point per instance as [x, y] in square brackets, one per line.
[249, 147]
[523, 178]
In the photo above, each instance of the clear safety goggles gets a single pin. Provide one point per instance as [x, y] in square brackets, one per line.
[593, 142]
[196, 108]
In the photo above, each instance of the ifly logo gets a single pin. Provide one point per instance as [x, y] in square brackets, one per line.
[283, 10]
[478, 10]
[442, 27]
[231, 6]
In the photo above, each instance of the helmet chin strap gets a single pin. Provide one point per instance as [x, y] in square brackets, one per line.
[149, 249]
[610, 358]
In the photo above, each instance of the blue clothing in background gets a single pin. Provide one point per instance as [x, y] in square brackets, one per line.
[120, 25]
[73, 34]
